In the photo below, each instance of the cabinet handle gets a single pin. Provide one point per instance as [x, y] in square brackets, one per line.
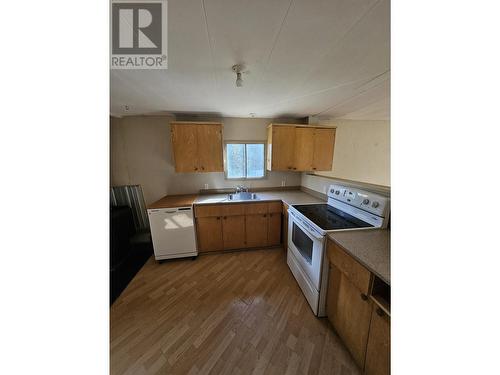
[264, 215]
[314, 169]
[195, 168]
[364, 297]
[224, 217]
[218, 217]
[270, 215]
[203, 168]
[380, 312]
[294, 168]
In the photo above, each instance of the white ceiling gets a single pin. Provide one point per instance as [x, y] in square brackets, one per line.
[326, 58]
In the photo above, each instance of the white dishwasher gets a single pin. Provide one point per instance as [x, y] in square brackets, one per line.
[172, 231]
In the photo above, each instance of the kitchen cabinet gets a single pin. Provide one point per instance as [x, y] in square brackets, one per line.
[284, 230]
[349, 311]
[242, 225]
[304, 149]
[300, 147]
[233, 232]
[358, 307]
[209, 231]
[256, 230]
[324, 143]
[281, 153]
[197, 147]
[378, 349]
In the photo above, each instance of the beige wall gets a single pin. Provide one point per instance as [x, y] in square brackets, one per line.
[361, 158]
[141, 154]
[362, 152]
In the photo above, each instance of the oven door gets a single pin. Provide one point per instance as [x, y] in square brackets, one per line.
[307, 249]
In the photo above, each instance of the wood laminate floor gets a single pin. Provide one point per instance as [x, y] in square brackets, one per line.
[233, 313]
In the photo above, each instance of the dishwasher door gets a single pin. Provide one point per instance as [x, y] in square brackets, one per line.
[172, 231]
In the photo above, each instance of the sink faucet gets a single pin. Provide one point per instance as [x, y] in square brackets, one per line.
[241, 188]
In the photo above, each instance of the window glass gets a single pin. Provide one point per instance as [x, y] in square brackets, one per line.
[255, 160]
[235, 160]
[245, 160]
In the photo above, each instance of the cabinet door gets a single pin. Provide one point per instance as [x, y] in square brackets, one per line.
[349, 311]
[274, 229]
[256, 230]
[210, 148]
[185, 147]
[378, 350]
[304, 148]
[283, 145]
[284, 231]
[233, 232]
[324, 144]
[209, 231]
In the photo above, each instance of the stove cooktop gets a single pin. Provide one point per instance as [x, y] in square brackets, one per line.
[330, 218]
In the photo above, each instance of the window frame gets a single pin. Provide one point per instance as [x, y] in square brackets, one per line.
[264, 143]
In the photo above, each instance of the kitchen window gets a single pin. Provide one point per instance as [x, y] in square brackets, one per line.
[245, 160]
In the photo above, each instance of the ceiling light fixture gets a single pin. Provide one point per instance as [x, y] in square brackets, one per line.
[237, 69]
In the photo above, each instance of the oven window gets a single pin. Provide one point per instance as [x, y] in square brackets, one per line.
[303, 243]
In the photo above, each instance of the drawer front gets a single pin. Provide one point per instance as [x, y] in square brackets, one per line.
[275, 207]
[208, 210]
[255, 208]
[231, 209]
[355, 272]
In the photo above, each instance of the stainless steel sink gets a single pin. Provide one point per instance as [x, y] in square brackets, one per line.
[243, 196]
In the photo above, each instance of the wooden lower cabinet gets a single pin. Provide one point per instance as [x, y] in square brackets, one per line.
[256, 230]
[274, 229]
[284, 230]
[233, 232]
[378, 349]
[238, 226]
[350, 313]
[209, 233]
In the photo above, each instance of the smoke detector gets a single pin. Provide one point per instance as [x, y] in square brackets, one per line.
[238, 68]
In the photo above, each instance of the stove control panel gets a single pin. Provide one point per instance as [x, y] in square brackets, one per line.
[368, 201]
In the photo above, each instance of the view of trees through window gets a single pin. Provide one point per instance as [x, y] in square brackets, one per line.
[245, 160]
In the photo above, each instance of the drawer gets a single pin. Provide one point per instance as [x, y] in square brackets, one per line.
[208, 210]
[255, 208]
[231, 209]
[354, 271]
[275, 207]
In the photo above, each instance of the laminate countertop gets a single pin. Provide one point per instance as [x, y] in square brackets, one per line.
[372, 248]
[287, 196]
[172, 201]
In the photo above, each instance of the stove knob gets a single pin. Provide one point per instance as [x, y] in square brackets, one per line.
[366, 201]
[337, 192]
[375, 204]
[331, 191]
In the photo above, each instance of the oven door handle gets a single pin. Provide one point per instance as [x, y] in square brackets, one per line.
[309, 232]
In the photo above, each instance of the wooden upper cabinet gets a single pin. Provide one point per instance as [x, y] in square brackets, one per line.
[324, 145]
[300, 148]
[282, 148]
[185, 147]
[197, 147]
[210, 148]
[304, 149]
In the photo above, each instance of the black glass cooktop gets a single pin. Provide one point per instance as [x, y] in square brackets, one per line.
[329, 218]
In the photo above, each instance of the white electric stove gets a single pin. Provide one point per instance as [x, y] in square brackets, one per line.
[308, 224]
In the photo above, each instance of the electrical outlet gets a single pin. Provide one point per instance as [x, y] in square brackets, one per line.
[206, 186]
[283, 182]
